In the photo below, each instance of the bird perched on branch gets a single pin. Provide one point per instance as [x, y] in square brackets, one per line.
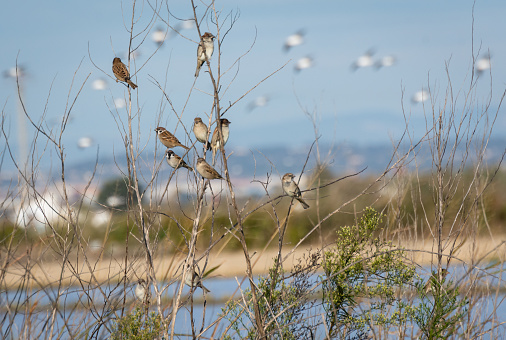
[206, 43]
[121, 72]
[140, 290]
[292, 190]
[200, 131]
[207, 171]
[434, 280]
[175, 161]
[195, 281]
[215, 140]
[168, 139]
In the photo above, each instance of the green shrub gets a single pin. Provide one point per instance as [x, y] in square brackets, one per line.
[283, 301]
[440, 309]
[137, 326]
[363, 268]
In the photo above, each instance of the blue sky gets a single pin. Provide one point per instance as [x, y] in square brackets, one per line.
[364, 107]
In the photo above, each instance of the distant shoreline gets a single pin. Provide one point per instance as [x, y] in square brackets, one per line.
[231, 264]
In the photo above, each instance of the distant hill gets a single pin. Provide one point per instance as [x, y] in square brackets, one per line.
[246, 163]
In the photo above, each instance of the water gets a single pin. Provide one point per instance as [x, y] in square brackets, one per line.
[75, 311]
[75, 305]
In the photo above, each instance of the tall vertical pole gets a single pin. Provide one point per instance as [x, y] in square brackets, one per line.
[18, 74]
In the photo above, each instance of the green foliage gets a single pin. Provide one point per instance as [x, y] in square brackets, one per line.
[286, 298]
[363, 284]
[137, 326]
[362, 266]
[9, 233]
[437, 317]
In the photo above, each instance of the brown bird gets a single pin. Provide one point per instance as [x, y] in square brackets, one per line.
[175, 161]
[208, 42]
[200, 131]
[168, 139]
[207, 171]
[195, 280]
[215, 140]
[121, 72]
[434, 280]
[292, 190]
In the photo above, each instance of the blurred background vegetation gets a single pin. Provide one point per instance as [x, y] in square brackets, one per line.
[403, 201]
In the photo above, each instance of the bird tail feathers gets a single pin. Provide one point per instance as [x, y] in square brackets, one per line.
[304, 204]
[131, 84]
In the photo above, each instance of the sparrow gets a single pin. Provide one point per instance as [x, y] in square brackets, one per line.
[175, 161]
[200, 131]
[215, 140]
[140, 290]
[121, 72]
[168, 139]
[207, 42]
[196, 281]
[207, 171]
[292, 190]
[429, 285]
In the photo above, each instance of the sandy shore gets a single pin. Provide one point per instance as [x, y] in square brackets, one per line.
[44, 272]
